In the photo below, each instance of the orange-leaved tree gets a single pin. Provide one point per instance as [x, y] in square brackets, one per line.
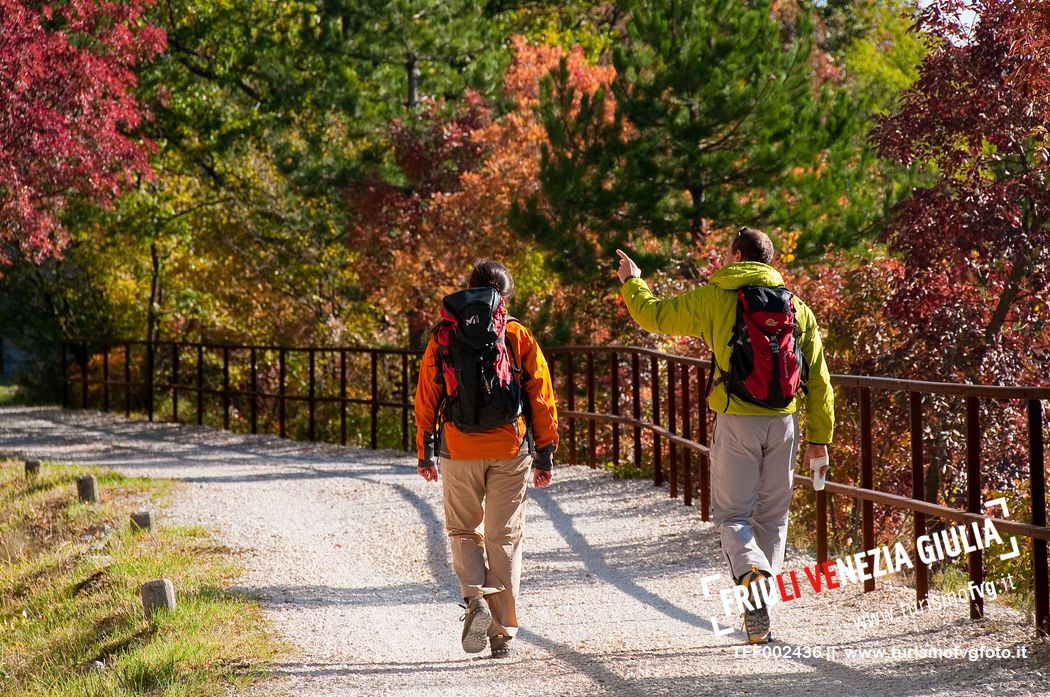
[456, 177]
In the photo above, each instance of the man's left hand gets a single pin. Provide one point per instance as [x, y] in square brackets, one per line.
[541, 478]
[815, 451]
[628, 269]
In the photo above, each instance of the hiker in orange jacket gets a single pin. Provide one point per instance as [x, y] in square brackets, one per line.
[487, 450]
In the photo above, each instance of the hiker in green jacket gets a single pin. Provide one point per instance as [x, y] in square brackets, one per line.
[754, 446]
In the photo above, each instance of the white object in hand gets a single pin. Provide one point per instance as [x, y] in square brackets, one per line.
[819, 467]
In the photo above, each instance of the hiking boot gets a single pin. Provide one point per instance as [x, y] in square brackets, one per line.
[756, 622]
[500, 646]
[476, 622]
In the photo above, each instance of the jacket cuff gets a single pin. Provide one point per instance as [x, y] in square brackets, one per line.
[634, 281]
[544, 458]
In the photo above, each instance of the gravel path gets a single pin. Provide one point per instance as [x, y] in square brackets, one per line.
[346, 550]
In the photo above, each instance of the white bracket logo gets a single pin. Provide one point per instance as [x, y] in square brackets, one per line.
[1015, 551]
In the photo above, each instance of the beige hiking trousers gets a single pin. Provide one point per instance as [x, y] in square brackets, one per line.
[485, 520]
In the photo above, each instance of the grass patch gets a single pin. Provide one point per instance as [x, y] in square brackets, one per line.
[949, 578]
[71, 620]
[11, 395]
[627, 470]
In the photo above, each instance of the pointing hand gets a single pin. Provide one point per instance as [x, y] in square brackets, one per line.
[628, 269]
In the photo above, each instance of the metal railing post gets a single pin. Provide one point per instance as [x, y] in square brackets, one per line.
[672, 407]
[614, 368]
[570, 401]
[105, 377]
[922, 583]
[200, 384]
[687, 431]
[254, 387]
[175, 381]
[311, 425]
[64, 373]
[404, 402]
[1037, 481]
[822, 526]
[342, 397]
[282, 374]
[84, 379]
[127, 380]
[374, 440]
[636, 407]
[226, 387]
[149, 378]
[866, 478]
[590, 408]
[701, 438]
[654, 366]
[973, 499]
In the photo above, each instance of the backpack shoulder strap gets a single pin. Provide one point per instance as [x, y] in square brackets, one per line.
[515, 364]
[522, 377]
[443, 353]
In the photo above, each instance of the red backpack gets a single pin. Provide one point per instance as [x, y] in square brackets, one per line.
[766, 363]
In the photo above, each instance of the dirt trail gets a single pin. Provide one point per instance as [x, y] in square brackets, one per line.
[346, 550]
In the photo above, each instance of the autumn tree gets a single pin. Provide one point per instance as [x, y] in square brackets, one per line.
[458, 177]
[975, 241]
[68, 113]
[265, 113]
[717, 119]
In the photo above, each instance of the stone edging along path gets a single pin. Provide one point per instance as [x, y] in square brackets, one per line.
[346, 551]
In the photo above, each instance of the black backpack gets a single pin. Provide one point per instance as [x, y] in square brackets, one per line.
[482, 390]
[766, 363]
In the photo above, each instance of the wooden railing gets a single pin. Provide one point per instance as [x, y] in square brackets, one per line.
[662, 394]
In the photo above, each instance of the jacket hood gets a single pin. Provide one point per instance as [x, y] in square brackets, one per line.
[746, 273]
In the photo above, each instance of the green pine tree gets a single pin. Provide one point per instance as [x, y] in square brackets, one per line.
[719, 120]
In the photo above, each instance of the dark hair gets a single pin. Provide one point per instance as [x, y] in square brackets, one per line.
[486, 274]
[492, 274]
[753, 245]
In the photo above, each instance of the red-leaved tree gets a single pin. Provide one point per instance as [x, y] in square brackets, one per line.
[968, 302]
[976, 242]
[68, 112]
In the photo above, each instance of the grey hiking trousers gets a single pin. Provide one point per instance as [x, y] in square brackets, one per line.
[752, 468]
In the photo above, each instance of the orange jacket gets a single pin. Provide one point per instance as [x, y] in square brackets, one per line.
[503, 441]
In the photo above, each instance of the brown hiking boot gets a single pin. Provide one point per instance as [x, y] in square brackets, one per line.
[476, 622]
[500, 645]
[756, 622]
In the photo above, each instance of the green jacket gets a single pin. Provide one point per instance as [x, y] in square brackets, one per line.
[709, 312]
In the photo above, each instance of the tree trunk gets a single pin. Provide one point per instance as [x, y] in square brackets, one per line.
[697, 224]
[1009, 295]
[933, 471]
[418, 330]
[413, 75]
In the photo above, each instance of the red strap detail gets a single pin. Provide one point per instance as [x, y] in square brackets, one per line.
[443, 337]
